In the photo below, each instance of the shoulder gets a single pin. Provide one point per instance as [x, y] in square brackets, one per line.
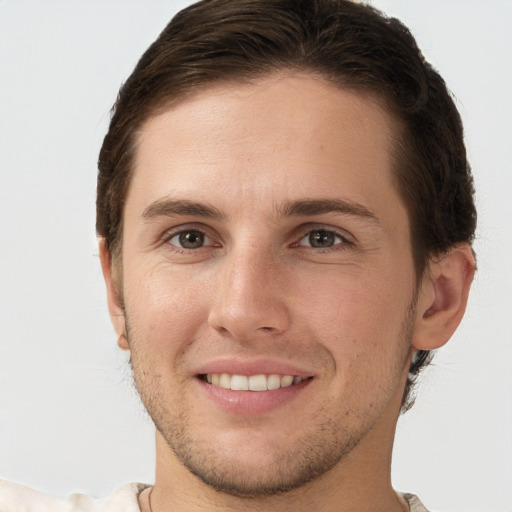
[18, 498]
[414, 503]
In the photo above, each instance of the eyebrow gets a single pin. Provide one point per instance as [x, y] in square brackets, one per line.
[309, 207]
[301, 207]
[168, 207]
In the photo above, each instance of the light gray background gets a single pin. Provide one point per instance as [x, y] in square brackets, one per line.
[69, 420]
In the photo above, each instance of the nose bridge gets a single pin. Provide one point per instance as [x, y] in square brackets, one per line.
[250, 299]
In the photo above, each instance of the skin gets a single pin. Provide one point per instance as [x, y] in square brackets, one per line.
[268, 166]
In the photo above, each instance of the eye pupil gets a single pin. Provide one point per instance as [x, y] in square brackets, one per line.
[191, 239]
[321, 238]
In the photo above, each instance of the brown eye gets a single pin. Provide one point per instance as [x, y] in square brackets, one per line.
[190, 239]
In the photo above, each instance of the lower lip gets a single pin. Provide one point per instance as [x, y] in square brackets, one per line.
[252, 402]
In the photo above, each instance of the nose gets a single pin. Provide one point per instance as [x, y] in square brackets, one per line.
[251, 296]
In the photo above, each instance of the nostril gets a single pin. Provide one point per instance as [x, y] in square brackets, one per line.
[244, 320]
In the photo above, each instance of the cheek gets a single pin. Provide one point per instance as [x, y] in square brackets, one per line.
[359, 317]
[165, 306]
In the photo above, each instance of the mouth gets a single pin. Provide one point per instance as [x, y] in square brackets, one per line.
[260, 382]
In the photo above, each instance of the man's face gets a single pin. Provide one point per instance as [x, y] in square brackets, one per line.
[265, 246]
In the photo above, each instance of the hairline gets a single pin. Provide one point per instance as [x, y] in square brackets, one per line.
[398, 132]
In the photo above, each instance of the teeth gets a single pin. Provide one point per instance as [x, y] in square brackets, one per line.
[287, 380]
[253, 382]
[273, 382]
[225, 381]
[258, 383]
[239, 383]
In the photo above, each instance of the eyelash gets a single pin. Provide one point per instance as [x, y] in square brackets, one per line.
[186, 230]
[345, 240]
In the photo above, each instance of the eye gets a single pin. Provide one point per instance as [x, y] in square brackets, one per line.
[321, 239]
[190, 239]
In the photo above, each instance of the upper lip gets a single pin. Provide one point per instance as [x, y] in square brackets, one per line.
[258, 366]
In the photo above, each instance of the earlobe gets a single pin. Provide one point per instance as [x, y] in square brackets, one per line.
[122, 342]
[114, 299]
[443, 297]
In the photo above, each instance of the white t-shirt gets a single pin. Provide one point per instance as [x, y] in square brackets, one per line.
[18, 498]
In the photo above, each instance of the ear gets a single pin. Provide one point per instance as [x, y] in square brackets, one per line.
[115, 305]
[443, 297]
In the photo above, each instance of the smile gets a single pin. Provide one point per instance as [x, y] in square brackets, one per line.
[260, 382]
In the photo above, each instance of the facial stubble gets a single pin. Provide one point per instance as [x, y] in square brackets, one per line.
[314, 453]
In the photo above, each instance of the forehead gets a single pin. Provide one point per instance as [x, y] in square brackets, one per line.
[272, 140]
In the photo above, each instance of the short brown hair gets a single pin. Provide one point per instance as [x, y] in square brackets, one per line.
[349, 44]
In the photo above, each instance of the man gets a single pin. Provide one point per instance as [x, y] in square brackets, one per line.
[285, 216]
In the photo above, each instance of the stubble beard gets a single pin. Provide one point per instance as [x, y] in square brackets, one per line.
[313, 454]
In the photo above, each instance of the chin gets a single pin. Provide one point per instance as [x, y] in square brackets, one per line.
[261, 467]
